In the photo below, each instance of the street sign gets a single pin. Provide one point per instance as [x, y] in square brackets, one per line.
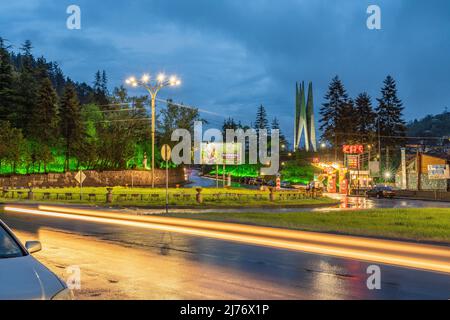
[166, 152]
[80, 177]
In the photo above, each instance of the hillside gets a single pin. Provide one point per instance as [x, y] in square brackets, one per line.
[431, 126]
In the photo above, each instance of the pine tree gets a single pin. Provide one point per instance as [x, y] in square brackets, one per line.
[333, 113]
[57, 77]
[47, 119]
[104, 83]
[365, 118]
[345, 126]
[45, 128]
[229, 124]
[27, 90]
[391, 125]
[42, 69]
[261, 119]
[71, 126]
[7, 90]
[390, 114]
[283, 141]
[100, 90]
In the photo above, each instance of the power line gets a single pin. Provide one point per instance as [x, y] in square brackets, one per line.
[386, 136]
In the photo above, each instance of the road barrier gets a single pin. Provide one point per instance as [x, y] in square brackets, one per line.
[180, 197]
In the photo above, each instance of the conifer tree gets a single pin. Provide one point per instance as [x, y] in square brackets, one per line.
[390, 114]
[71, 125]
[365, 118]
[261, 119]
[283, 141]
[7, 90]
[333, 113]
[27, 90]
[391, 125]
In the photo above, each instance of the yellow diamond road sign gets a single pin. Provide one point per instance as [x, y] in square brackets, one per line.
[80, 177]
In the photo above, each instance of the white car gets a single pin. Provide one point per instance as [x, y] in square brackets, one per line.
[22, 277]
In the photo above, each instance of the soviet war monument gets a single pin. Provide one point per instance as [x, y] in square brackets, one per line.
[304, 119]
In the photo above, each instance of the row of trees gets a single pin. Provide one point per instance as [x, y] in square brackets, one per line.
[356, 121]
[261, 122]
[52, 123]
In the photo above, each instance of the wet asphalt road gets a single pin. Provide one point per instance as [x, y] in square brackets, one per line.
[125, 262]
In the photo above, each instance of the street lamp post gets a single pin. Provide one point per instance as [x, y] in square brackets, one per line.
[153, 86]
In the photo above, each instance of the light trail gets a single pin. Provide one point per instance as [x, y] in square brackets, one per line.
[273, 232]
[408, 255]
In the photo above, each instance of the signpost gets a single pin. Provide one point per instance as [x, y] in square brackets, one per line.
[166, 154]
[80, 177]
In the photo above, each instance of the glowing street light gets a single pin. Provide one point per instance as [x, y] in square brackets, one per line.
[153, 86]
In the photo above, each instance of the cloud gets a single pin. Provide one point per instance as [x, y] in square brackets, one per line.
[234, 55]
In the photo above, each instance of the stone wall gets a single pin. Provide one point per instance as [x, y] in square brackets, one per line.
[138, 178]
[425, 183]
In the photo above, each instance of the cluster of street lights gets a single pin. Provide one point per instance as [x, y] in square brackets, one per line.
[153, 86]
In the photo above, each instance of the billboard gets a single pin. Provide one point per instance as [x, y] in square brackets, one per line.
[353, 162]
[353, 149]
[221, 153]
[438, 172]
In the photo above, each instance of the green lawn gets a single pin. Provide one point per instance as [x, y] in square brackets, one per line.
[237, 197]
[430, 225]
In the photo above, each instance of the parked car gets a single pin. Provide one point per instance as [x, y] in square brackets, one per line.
[272, 183]
[286, 185]
[381, 192]
[22, 277]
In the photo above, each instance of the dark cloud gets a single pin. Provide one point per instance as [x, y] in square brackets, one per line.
[234, 55]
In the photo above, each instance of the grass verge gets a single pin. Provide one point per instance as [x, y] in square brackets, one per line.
[421, 225]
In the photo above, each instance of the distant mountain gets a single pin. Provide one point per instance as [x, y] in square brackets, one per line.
[431, 126]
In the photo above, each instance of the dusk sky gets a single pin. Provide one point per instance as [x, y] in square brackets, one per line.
[234, 55]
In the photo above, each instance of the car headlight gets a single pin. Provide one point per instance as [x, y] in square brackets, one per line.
[65, 294]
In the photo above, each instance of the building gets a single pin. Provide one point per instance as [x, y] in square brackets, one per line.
[425, 171]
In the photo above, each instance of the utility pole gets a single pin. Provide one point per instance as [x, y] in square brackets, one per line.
[335, 148]
[379, 142]
[387, 157]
